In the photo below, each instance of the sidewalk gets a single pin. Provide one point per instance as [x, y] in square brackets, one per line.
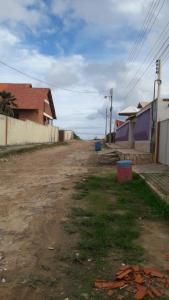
[157, 177]
[136, 156]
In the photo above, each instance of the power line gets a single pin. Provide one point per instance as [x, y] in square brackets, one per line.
[157, 42]
[150, 13]
[165, 58]
[46, 82]
[148, 30]
[152, 61]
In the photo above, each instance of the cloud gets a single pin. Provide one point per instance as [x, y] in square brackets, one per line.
[90, 53]
[106, 15]
[31, 13]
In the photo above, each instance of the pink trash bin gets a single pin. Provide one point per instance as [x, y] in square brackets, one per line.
[124, 171]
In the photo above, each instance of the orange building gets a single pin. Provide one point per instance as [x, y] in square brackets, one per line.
[34, 104]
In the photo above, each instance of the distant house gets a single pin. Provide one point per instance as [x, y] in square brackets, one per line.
[35, 104]
[143, 104]
[136, 131]
[118, 123]
[146, 129]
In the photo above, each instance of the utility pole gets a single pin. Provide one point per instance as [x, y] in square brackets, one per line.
[106, 124]
[111, 107]
[158, 72]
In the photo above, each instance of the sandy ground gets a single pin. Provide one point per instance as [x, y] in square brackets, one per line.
[35, 199]
[36, 195]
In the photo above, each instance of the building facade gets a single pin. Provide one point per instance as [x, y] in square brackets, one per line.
[34, 104]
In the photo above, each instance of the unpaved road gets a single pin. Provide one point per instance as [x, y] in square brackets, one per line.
[35, 196]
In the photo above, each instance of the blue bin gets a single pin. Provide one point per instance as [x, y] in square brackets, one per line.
[98, 146]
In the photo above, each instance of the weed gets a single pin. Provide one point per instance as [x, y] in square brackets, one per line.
[109, 227]
[9, 151]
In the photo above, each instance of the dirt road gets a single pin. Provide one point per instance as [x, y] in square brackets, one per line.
[36, 194]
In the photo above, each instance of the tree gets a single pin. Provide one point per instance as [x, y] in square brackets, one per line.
[7, 103]
[75, 136]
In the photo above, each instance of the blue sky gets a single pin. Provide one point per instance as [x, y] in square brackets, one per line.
[80, 45]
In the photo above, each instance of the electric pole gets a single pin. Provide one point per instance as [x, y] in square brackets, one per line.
[158, 72]
[106, 124]
[111, 107]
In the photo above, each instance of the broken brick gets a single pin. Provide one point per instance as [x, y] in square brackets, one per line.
[124, 274]
[140, 282]
[138, 278]
[109, 284]
[156, 273]
[123, 269]
[141, 292]
[147, 271]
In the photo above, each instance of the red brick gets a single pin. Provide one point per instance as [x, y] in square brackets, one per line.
[138, 278]
[102, 284]
[141, 293]
[124, 273]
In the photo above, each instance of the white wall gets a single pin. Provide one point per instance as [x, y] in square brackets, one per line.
[163, 110]
[68, 135]
[164, 143]
[142, 146]
[123, 144]
[2, 130]
[23, 132]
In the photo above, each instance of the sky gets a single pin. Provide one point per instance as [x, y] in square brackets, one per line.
[81, 49]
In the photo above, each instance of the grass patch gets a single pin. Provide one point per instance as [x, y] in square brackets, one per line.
[36, 281]
[6, 151]
[108, 223]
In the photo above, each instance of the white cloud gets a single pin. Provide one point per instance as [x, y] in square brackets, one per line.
[84, 112]
[107, 14]
[31, 13]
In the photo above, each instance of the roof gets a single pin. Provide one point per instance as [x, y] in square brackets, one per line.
[5, 86]
[28, 97]
[119, 123]
[142, 104]
[129, 111]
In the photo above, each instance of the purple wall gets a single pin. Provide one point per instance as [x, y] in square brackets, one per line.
[142, 126]
[122, 133]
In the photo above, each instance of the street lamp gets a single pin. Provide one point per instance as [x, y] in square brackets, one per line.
[111, 107]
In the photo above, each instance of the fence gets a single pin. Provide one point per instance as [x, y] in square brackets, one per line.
[164, 142]
[13, 132]
[68, 135]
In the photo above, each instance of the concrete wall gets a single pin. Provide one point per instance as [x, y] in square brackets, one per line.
[163, 110]
[142, 146]
[164, 142]
[125, 135]
[123, 144]
[68, 135]
[2, 130]
[122, 133]
[13, 132]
